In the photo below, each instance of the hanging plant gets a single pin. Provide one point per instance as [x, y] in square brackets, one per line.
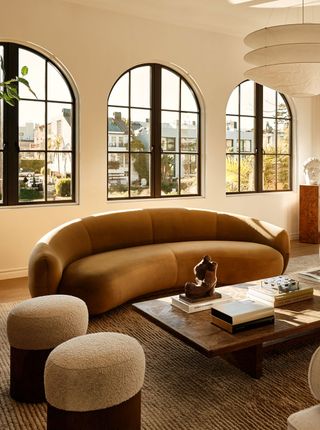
[9, 88]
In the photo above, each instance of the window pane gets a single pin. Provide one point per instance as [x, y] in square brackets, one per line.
[283, 136]
[170, 90]
[118, 130]
[59, 174]
[140, 87]
[59, 126]
[189, 178]
[232, 133]
[57, 85]
[31, 176]
[269, 102]
[36, 74]
[140, 129]
[169, 131]
[188, 101]
[189, 132]
[247, 143]
[282, 110]
[233, 103]
[1, 112]
[283, 173]
[31, 125]
[1, 123]
[247, 173]
[247, 98]
[232, 171]
[119, 95]
[1, 177]
[169, 174]
[118, 175]
[140, 175]
[269, 172]
[269, 146]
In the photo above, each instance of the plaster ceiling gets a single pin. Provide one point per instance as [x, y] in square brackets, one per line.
[235, 17]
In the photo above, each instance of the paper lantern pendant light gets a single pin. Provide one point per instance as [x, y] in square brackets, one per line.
[287, 58]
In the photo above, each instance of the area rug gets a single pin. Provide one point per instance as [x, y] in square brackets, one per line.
[183, 389]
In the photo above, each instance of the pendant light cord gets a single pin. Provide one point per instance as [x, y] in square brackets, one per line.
[302, 11]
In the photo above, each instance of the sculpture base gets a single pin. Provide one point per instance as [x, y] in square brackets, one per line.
[199, 299]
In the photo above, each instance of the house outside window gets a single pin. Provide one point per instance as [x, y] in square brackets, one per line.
[155, 115]
[258, 118]
[37, 135]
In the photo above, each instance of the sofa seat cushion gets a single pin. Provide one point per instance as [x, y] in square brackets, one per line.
[108, 279]
[237, 261]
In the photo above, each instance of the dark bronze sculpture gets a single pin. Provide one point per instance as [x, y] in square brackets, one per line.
[205, 282]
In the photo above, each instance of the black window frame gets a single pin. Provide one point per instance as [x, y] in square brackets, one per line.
[11, 147]
[155, 137]
[258, 136]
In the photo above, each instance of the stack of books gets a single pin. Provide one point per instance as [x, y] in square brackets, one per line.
[270, 293]
[202, 305]
[237, 315]
[312, 274]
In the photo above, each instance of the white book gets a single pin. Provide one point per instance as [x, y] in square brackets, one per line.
[241, 311]
[311, 274]
[197, 307]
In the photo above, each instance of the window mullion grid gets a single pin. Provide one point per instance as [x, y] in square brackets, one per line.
[239, 135]
[276, 143]
[129, 137]
[46, 132]
[11, 125]
[156, 127]
[180, 133]
[259, 136]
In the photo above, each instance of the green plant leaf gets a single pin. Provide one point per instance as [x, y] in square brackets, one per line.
[12, 93]
[7, 99]
[24, 70]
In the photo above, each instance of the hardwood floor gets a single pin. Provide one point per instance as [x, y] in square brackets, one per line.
[17, 289]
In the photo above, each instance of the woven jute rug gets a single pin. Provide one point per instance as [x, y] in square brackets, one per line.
[183, 389]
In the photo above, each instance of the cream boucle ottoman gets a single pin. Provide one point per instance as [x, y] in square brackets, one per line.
[309, 419]
[94, 382]
[34, 328]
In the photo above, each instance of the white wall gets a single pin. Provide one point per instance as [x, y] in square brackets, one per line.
[96, 47]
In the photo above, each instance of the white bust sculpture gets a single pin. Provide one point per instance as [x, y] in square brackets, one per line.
[311, 169]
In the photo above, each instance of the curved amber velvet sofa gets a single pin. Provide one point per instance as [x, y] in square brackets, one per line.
[109, 259]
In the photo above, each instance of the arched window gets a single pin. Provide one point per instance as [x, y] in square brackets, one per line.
[153, 135]
[37, 134]
[258, 140]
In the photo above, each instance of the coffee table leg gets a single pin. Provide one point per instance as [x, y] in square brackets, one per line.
[248, 360]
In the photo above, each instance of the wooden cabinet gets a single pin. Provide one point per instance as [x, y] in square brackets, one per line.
[309, 214]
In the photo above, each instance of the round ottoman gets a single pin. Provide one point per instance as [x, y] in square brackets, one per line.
[94, 382]
[34, 328]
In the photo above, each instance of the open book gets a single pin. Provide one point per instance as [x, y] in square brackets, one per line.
[311, 274]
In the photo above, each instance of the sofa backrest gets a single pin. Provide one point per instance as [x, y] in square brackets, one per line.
[118, 230]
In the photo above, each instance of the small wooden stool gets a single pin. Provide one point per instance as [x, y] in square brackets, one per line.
[34, 328]
[94, 382]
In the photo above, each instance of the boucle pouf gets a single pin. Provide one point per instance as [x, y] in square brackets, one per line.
[94, 382]
[34, 328]
[309, 419]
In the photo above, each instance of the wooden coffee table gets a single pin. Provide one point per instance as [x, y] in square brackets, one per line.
[294, 323]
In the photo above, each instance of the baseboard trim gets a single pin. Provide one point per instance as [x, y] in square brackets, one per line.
[294, 236]
[20, 272]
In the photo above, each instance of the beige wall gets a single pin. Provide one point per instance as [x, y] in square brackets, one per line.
[96, 47]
